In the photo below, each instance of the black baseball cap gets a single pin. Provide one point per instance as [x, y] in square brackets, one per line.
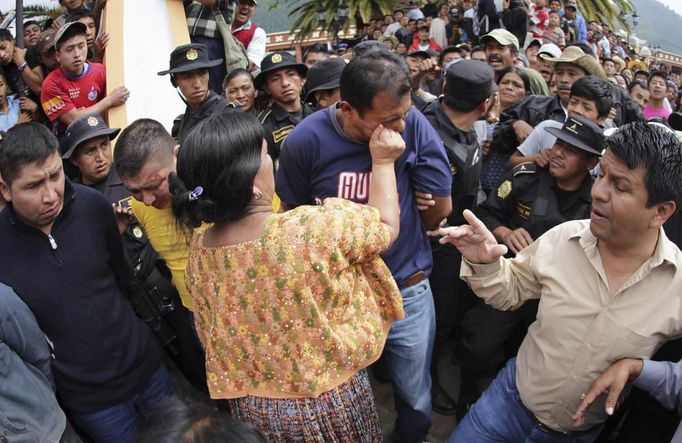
[580, 133]
[275, 61]
[325, 74]
[189, 58]
[83, 129]
[469, 80]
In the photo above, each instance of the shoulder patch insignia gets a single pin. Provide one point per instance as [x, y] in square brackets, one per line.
[524, 168]
[280, 134]
[504, 189]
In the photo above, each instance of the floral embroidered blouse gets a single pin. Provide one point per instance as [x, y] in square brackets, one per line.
[298, 311]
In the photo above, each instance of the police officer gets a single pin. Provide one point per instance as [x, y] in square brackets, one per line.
[468, 95]
[189, 73]
[281, 77]
[87, 146]
[528, 202]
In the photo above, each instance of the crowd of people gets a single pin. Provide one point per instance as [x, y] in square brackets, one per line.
[506, 181]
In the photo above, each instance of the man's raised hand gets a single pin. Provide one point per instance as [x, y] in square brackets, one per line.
[476, 243]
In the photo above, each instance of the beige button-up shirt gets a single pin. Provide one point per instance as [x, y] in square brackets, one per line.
[580, 329]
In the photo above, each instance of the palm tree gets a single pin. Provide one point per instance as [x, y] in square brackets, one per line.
[610, 12]
[306, 12]
[39, 10]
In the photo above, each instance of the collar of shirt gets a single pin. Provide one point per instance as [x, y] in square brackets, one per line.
[246, 26]
[664, 252]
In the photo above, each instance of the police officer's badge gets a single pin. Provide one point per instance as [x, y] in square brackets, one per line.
[276, 58]
[92, 121]
[504, 189]
[192, 54]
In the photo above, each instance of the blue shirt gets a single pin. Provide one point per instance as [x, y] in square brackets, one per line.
[12, 117]
[319, 160]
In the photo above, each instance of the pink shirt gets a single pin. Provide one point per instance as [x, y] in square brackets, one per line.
[650, 112]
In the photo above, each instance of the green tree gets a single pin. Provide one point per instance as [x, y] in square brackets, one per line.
[304, 12]
[610, 12]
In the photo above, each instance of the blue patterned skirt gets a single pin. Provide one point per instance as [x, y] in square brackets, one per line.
[344, 414]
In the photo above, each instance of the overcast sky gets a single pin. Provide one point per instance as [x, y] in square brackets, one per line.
[676, 5]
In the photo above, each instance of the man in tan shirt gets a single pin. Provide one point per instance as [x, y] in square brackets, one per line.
[609, 287]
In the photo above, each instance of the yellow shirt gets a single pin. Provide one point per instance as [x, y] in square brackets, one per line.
[580, 328]
[171, 243]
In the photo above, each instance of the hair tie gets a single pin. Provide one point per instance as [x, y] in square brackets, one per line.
[194, 195]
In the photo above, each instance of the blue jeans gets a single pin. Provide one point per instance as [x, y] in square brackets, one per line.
[118, 424]
[408, 356]
[500, 416]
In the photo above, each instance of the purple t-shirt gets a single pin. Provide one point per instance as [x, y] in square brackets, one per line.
[318, 161]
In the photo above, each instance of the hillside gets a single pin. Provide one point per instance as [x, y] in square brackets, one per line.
[659, 25]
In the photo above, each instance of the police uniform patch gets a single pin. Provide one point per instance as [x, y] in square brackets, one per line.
[281, 133]
[92, 121]
[277, 58]
[504, 189]
[523, 210]
[137, 232]
[192, 54]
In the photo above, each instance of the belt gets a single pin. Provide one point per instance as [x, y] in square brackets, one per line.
[547, 430]
[412, 280]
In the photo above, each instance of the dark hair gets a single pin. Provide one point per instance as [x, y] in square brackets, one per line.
[232, 141]
[31, 22]
[616, 75]
[594, 89]
[377, 71]
[316, 48]
[641, 83]
[176, 422]
[5, 35]
[446, 51]
[521, 72]
[658, 151]
[70, 33]
[78, 14]
[142, 140]
[25, 144]
[659, 74]
[236, 73]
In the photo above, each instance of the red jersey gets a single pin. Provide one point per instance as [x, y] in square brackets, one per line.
[63, 92]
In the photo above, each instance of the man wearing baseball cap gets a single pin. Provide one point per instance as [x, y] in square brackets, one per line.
[576, 23]
[518, 122]
[87, 145]
[467, 97]
[281, 77]
[501, 48]
[78, 87]
[189, 74]
[247, 32]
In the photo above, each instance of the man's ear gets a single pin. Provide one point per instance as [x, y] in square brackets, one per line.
[664, 211]
[4, 190]
[345, 107]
